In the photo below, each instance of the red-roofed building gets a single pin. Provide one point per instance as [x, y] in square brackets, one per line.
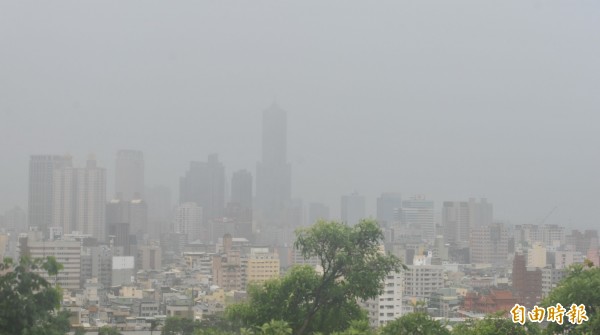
[495, 301]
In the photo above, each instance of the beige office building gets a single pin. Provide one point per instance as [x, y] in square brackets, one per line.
[262, 265]
[67, 253]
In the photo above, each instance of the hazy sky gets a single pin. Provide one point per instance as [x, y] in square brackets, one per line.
[451, 99]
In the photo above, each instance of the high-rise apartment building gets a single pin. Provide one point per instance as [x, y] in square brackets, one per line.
[129, 175]
[459, 217]
[204, 184]
[188, 221]
[353, 208]
[273, 172]
[536, 256]
[526, 282]
[261, 266]
[418, 213]
[388, 306]
[79, 199]
[149, 257]
[420, 281]
[41, 189]
[489, 244]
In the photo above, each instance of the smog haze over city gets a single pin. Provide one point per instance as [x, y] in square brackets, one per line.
[447, 99]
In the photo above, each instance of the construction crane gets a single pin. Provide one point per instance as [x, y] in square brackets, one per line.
[548, 215]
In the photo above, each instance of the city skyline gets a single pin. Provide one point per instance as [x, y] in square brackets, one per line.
[448, 107]
[299, 166]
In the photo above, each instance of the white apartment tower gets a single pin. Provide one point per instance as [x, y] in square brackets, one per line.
[388, 306]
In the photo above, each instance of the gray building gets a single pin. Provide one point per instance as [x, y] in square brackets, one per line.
[79, 199]
[353, 208]
[273, 172]
[129, 175]
[388, 205]
[460, 217]
[41, 189]
[204, 185]
[418, 213]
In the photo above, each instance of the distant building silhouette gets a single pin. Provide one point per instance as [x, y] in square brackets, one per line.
[353, 208]
[41, 189]
[79, 199]
[160, 210]
[188, 221]
[273, 172]
[204, 185]
[418, 213]
[126, 221]
[241, 193]
[387, 207]
[129, 175]
[460, 217]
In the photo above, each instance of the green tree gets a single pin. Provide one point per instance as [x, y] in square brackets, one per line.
[108, 330]
[495, 324]
[179, 326]
[79, 331]
[358, 327]
[353, 268]
[29, 304]
[415, 324]
[275, 327]
[581, 286]
[154, 323]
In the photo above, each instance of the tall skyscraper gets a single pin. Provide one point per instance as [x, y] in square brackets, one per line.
[418, 213]
[273, 172]
[41, 189]
[79, 199]
[387, 207]
[353, 208]
[129, 175]
[204, 185]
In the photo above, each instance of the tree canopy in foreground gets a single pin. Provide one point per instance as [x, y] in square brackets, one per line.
[353, 267]
[28, 302]
[581, 286]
